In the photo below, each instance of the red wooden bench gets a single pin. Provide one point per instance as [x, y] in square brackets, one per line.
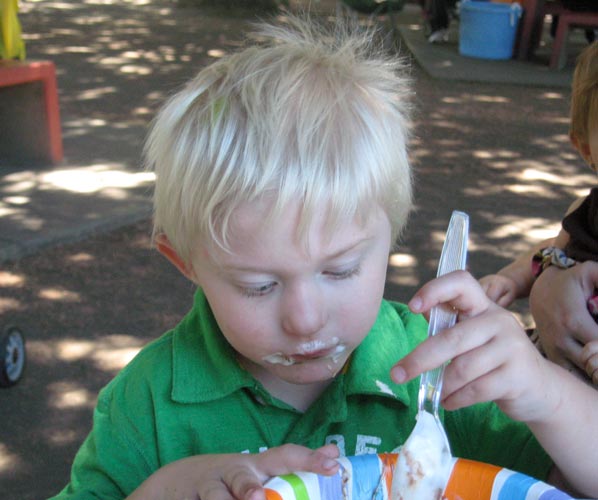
[569, 19]
[29, 118]
[530, 30]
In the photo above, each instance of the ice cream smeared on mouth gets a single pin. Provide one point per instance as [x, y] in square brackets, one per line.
[424, 463]
[315, 349]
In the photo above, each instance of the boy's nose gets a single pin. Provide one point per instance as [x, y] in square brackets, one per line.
[303, 311]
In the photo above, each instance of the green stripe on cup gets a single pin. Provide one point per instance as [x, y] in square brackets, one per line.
[298, 486]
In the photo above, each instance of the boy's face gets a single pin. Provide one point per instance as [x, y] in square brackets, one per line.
[295, 312]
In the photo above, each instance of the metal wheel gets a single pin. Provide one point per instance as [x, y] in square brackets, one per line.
[12, 356]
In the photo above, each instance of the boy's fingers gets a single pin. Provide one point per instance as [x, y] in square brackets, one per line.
[244, 476]
[468, 373]
[428, 355]
[290, 458]
[457, 289]
[330, 450]
[244, 484]
[450, 343]
[225, 487]
[479, 390]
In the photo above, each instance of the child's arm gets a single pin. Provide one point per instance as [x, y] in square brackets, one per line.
[515, 280]
[233, 476]
[493, 360]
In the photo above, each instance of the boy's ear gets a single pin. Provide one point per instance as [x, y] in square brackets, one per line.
[165, 248]
[583, 148]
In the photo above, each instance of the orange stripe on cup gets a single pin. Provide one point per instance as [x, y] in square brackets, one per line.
[471, 480]
[389, 461]
[272, 495]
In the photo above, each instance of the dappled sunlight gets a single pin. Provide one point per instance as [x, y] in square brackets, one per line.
[80, 257]
[8, 304]
[489, 98]
[531, 190]
[61, 436]
[95, 178]
[558, 142]
[23, 217]
[402, 270]
[111, 2]
[66, 395]
[55, 5]
[402, 260]
[96, 93]
[534, 228]
[541, 174]
[558, 120]
[510, 236]
[8, 460]
[553, 95]
[16, 200]
[497, 153]
[6, 210]
[217, 53]
[11, 279]
[109, 181]
[403, 277]
[475, 98]
[535, 190]
[109, 353]
[59, 295]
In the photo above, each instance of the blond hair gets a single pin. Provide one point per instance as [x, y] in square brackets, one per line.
[308, 113]
[584, 94]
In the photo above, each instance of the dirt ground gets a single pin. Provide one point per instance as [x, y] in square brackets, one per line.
[498, 152]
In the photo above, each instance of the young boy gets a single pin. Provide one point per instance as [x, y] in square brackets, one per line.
[576, 242]
[282, 183]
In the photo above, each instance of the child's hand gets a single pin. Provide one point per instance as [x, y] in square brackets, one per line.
[500, 289]
[491, 357]
[589, 357]
[558, 305]
[233, 476]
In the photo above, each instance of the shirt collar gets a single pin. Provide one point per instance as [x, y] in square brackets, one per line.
[369, 369]
[200, 347]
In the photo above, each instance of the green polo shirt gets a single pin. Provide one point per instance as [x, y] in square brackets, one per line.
[185, 394]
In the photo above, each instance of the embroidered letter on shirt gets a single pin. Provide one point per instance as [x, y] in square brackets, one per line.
[339, 441]
[361, 445]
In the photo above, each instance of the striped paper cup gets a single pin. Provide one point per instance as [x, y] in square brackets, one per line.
[369, 477]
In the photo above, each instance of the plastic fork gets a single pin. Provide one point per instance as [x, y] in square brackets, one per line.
[452, 258]
[425, 461]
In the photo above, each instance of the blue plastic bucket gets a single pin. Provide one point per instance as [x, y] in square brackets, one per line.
[487, 29]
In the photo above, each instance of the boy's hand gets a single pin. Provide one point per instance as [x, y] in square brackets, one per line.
[491, 357]
[233, 476]
[500, 289]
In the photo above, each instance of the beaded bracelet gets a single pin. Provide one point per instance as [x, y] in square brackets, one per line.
[550, 256]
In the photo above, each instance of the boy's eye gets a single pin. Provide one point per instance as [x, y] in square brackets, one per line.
[344, 274]
[258, 291]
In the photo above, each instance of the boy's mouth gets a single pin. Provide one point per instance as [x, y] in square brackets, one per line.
[309, 351]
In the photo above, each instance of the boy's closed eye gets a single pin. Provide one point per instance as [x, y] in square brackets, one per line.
[343, 273]
[258, 290]
[261, 289]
